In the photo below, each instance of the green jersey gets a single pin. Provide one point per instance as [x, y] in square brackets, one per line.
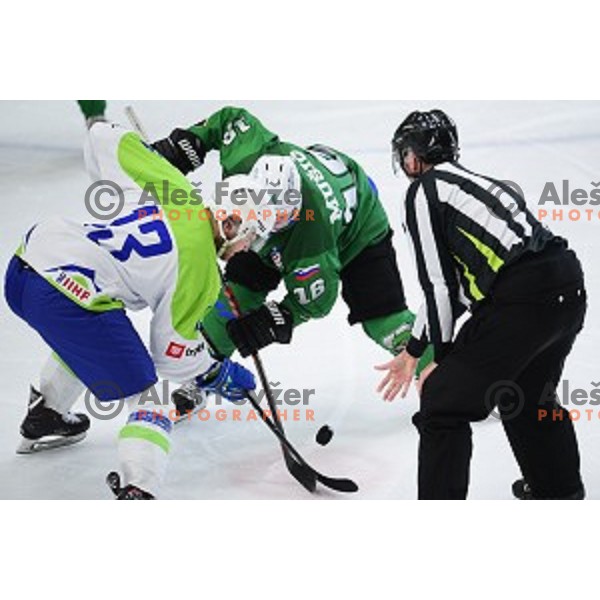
[340, 215]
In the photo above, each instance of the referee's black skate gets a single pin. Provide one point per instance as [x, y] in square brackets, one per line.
[44, 428]
[522, 491]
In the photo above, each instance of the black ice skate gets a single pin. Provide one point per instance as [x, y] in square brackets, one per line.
[44, 428]
[188, 400]
[522, 491]
[129, 492]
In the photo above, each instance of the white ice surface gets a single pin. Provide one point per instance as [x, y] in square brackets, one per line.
[41, 174]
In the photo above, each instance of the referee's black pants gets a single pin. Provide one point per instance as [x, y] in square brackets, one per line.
[508, 358]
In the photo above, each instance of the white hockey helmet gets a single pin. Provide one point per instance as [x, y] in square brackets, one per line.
[266, 199]
[279, 174]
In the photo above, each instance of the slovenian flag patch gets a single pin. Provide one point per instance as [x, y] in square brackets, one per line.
[306, 273]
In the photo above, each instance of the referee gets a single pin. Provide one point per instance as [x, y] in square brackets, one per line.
[525, 291]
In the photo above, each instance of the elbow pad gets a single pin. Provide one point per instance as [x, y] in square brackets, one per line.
[248, 269]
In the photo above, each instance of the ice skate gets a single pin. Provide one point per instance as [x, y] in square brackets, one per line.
[189, 399]
[522, 491]
[44, 428]
[129, 492]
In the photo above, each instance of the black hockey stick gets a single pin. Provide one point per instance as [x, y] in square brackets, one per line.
[303, 475]
[337, 484]
[297, 466]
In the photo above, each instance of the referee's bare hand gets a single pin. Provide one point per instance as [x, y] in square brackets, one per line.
[400, 373]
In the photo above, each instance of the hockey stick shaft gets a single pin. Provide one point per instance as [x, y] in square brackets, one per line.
[237, 312]
[136, 123]
[301, 474]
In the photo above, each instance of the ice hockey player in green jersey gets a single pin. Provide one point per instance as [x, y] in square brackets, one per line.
[310, 217]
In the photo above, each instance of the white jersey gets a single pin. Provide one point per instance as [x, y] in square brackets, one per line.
[143, 257]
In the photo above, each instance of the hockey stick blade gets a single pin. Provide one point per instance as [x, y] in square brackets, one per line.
[301, 474]
[297, 466]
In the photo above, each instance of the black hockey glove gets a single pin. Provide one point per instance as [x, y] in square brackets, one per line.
[182, 149]
[259, 328]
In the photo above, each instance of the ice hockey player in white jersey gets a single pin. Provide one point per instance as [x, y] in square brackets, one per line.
[72, 282]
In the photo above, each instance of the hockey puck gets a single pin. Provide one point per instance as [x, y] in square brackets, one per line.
[324, 435]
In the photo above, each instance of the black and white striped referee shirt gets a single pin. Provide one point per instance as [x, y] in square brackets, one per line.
[462, 236]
